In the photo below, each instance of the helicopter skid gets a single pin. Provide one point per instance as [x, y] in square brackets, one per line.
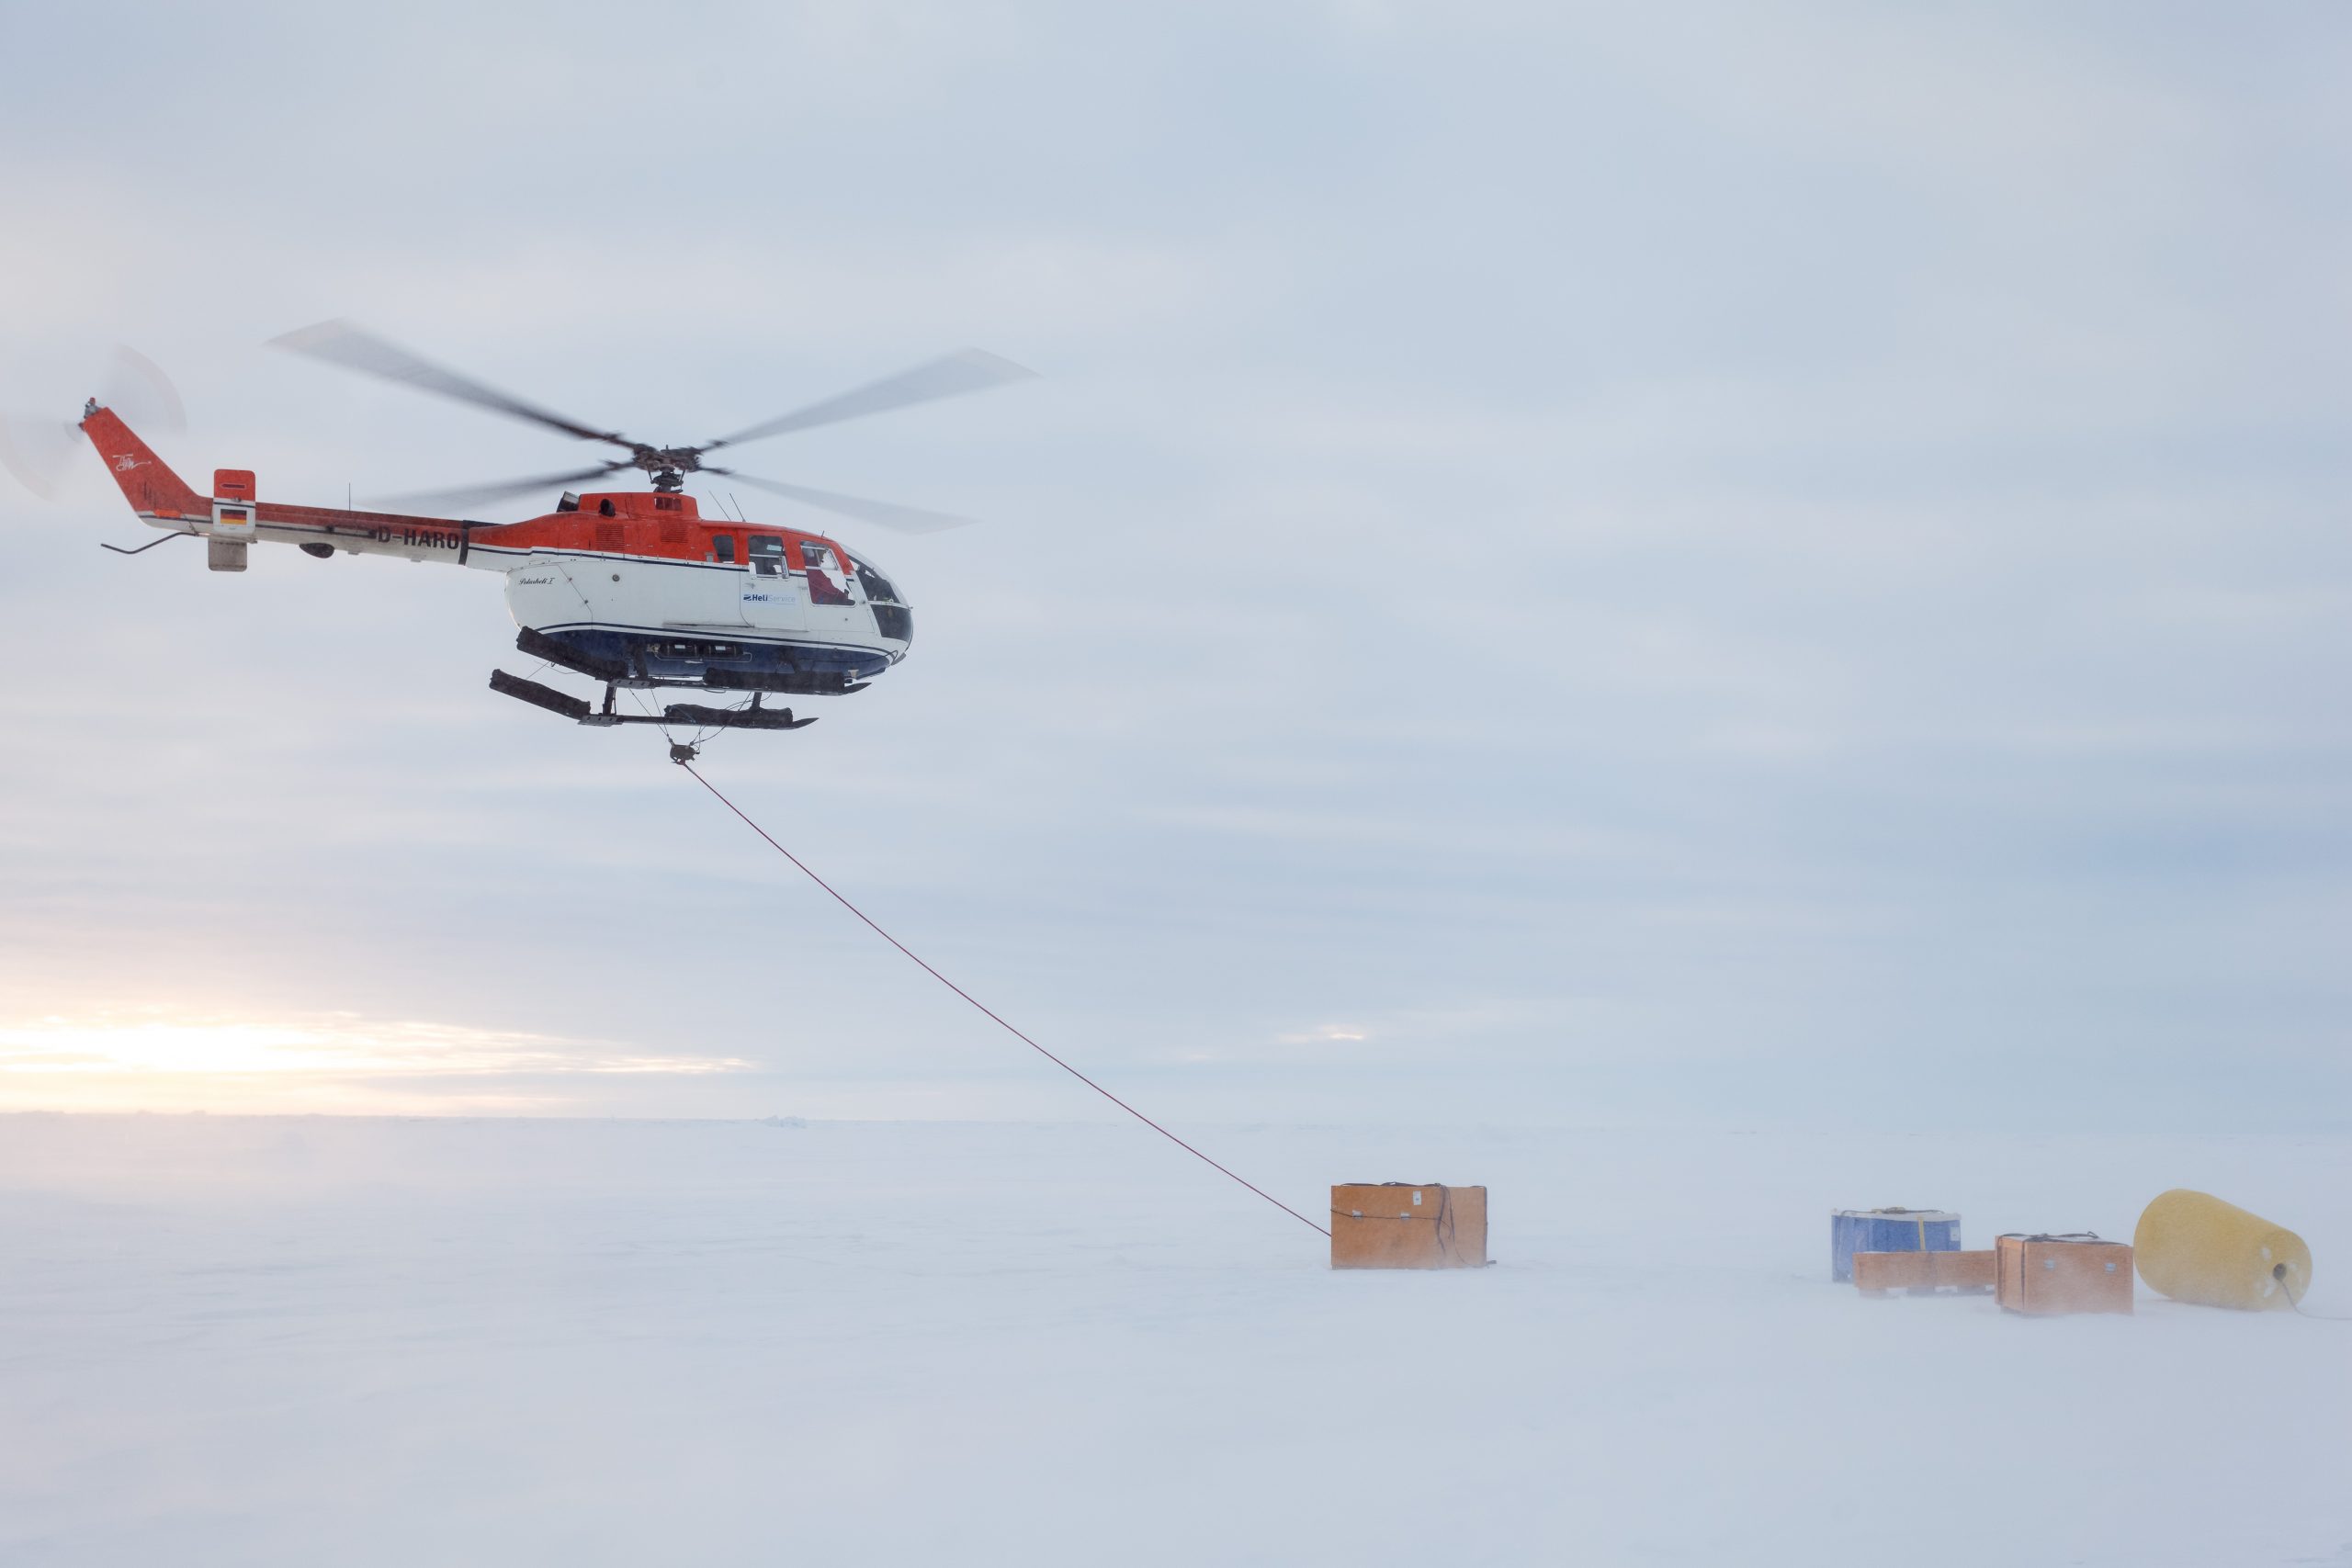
[576, 709]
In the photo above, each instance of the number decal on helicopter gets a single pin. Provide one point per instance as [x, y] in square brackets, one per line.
[428, 538]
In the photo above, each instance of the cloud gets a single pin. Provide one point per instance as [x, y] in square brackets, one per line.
[1324, 1034]
[1805, 541]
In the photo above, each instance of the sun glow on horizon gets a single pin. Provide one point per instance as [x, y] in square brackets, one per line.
[158, 1060]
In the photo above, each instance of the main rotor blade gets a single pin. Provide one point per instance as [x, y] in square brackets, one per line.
[342, 343]
[882, 514]
[474, 495]
[972, 371]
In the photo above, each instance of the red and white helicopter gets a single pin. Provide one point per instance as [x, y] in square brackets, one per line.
[636, 589]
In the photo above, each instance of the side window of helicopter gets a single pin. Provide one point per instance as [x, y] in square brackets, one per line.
[722, 548]
[822, 589]
[767, 554]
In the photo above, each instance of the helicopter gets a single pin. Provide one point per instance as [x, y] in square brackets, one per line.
[634, 588]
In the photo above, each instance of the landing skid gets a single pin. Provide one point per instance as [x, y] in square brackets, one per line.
[694, 714]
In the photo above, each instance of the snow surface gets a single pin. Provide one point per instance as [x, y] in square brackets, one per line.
[311, 1340]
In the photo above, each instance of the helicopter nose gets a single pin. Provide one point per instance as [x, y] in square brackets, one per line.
[895, 621]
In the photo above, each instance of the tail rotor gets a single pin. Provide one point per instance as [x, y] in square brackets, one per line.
[38, 450]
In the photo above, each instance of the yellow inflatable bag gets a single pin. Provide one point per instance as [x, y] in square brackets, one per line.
[2194, 1247]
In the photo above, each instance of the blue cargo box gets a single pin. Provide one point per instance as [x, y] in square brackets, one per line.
[1888, 1230]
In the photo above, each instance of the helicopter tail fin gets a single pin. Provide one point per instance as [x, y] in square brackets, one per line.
[145, 481]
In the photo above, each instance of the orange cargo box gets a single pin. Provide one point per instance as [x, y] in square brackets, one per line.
[1400, 1225]
[2048, 1274]
[1923, 1273]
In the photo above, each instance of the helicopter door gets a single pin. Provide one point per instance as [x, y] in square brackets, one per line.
[772, 596]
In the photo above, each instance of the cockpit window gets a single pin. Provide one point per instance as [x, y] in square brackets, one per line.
[816, 555]
[879, 590]
[767, 554]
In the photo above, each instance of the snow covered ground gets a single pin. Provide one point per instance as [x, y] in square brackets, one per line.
[310, 1340]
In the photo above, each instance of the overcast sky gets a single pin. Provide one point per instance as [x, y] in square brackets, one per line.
[1658, 562]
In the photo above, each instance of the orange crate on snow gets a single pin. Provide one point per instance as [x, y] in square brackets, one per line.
[2044, 1275]
[1400, 1225]
[1923, 1273]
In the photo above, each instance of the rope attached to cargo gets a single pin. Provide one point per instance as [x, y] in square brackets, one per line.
[2279, 1274]
[983, 1007]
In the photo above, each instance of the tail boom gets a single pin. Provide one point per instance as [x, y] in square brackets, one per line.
[161, 498]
